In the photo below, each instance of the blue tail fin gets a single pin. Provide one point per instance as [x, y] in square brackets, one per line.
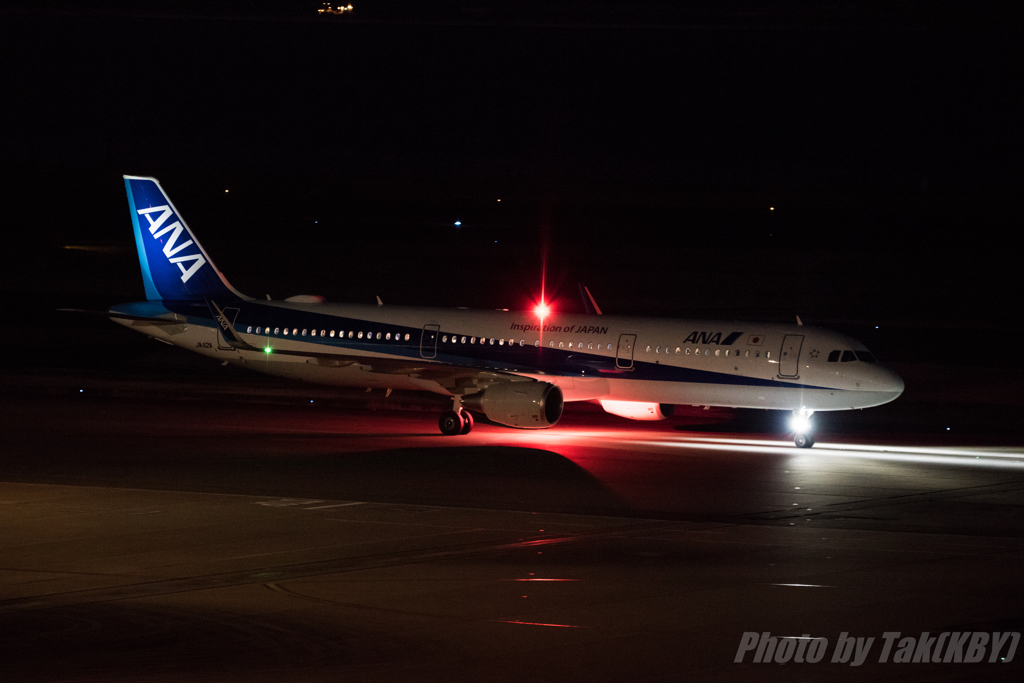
[174, 265]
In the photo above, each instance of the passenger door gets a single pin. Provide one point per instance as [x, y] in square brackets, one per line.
[624, 354]
[789, 358]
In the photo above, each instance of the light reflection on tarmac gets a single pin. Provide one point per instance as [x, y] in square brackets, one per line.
[173, 540]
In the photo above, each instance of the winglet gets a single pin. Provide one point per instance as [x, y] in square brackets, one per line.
[588, 301]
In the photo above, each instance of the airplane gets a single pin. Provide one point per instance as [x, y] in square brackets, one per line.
[516, 368]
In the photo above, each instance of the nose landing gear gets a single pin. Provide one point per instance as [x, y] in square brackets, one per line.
[801, 425]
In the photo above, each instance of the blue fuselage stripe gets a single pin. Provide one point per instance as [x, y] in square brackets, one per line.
[526, 359]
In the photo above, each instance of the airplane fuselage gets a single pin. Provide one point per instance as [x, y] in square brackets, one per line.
[696, 362]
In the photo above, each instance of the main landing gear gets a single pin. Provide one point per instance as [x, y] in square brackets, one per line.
[453, 423]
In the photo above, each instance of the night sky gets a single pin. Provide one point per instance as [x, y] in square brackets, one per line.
[860, 163]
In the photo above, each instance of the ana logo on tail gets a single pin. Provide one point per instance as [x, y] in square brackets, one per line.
[175, 229]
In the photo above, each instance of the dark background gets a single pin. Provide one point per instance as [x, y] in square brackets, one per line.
[639, 150]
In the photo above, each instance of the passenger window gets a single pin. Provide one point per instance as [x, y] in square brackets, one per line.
[388, 337]
[463, 340]
[250, 329]
[536, 344]
[648, 350]
[378, 335]
[501, 342]
[570, 345]
[303, 333]
[350, 334]
[551, 344]
[286, 331]
[277, 330]
[687, 351]
[657, 349]
[322, 332]
[833, 357]
[561, 345]
[677, 349]
[407, 337]
[332, 333]
[258, 330]
[718, 352]
[522, 342]
[848, 356]
[768, 354]
[589, 347]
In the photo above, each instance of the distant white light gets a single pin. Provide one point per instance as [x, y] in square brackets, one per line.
[458, 223]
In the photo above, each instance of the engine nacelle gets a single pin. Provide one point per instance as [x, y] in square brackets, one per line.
[527, 405]
[635, 410]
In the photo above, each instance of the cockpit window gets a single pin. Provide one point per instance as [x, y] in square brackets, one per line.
[866, 356]
[848, 356]
[833, 357]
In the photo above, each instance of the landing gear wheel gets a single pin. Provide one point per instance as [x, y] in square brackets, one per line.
[803, 441]
[467, 422]
[451, 423]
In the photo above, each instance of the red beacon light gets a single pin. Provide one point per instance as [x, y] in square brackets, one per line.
[542, 310]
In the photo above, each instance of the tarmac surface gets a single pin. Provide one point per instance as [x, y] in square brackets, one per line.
[190, 523]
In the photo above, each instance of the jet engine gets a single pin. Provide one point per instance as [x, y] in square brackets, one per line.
[527, 405]
[635, 410]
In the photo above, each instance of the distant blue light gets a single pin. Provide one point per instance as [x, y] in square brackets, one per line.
[458, 223]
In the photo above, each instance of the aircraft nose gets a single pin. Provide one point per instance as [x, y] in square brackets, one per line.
[890, 381]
